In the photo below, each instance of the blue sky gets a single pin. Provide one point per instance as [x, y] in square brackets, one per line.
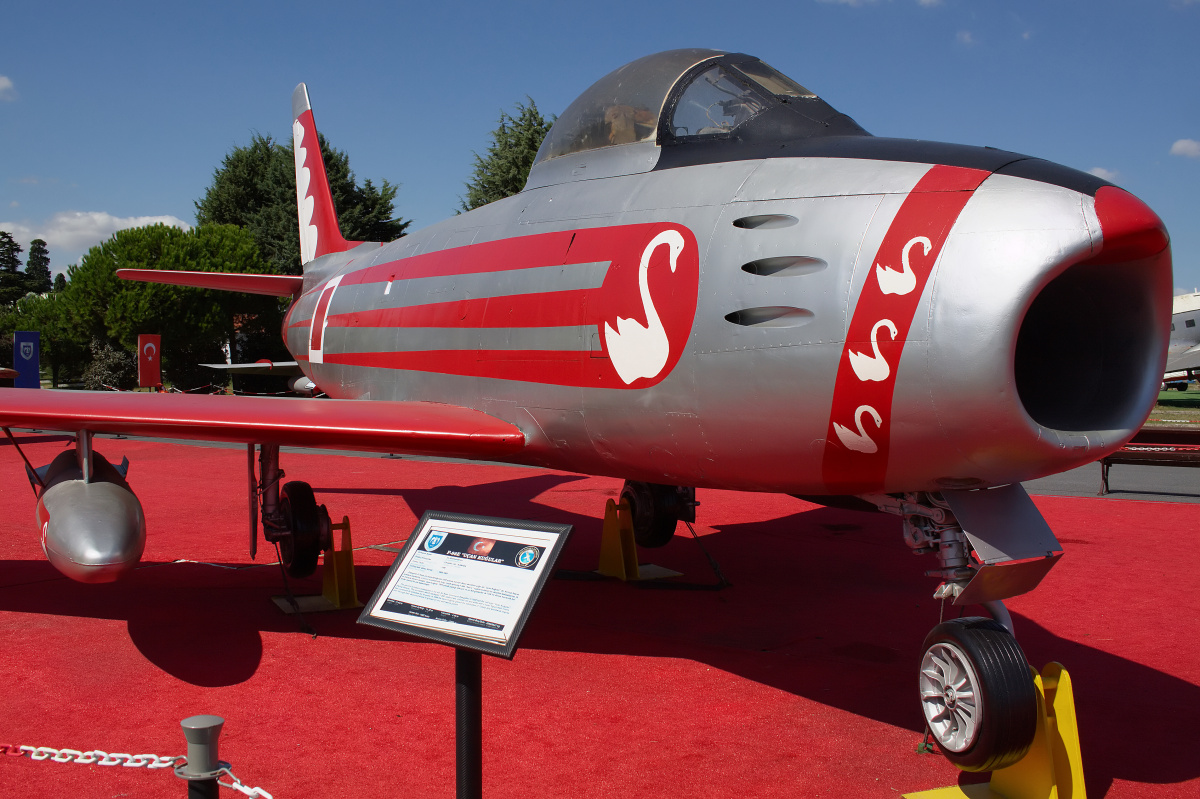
[115, 114]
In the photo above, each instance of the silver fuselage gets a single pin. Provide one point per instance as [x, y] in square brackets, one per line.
[754, 392]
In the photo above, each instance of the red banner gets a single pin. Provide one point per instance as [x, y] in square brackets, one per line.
[149, 360]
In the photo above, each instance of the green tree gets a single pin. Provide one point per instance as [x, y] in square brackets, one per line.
[37, 268]
[194, 323]
[12, 282]
[504, 170]
[63, 350]
[60, 281]
[255, 188]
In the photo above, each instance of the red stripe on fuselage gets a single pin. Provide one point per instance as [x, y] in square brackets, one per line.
[556, 309]
[858, 438]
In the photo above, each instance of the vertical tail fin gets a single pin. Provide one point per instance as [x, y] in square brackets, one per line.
[319, 233]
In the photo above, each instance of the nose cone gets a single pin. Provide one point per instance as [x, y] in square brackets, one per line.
[1047, 332]
[92, 532]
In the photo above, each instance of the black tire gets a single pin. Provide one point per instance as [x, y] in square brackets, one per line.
[300, 549]
[653, 523]
[999, 726]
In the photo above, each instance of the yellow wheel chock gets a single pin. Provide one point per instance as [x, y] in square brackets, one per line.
[1052, 769]
[618, 550]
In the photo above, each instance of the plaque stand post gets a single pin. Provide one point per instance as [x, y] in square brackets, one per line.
[468, 710]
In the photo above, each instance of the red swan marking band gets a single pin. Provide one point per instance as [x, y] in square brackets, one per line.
[859, 433]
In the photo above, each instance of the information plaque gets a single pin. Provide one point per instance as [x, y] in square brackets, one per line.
[467, 581]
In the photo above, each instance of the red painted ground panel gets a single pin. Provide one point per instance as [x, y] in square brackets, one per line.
[799, 680]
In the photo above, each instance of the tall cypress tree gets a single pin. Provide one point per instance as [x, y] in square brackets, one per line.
[12, 282]
[37, 268]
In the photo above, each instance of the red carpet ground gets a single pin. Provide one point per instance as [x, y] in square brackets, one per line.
[800, 680]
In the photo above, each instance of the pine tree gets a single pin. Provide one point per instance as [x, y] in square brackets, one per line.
[60, 281]
[12, 282]
[503, 172]
[37, 268]
[255, 188]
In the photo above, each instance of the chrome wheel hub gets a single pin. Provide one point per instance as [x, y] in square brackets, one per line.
[950, 698]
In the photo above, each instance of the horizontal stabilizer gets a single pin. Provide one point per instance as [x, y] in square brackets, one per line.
[274, 285]
[282, 368]
[415, 428]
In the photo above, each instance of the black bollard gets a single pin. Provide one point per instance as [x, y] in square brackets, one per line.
[468, 710]
[201, 733]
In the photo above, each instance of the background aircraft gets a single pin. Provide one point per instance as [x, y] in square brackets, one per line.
[713, 279]
[1183, 352]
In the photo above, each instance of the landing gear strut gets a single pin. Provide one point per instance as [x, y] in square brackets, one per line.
[976, 690]
[657, 510]
[291, 518]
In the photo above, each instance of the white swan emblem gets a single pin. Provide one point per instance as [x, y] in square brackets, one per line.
[904, 281]
[638, 350]
[873, 367]
[860, 441]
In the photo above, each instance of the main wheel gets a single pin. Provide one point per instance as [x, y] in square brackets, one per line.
[300, 549]
[977, 694]
[654, 522]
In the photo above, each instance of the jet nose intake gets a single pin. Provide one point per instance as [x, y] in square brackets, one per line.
[1091, 348]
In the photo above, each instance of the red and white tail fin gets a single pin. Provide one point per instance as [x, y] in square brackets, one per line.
[319, 233]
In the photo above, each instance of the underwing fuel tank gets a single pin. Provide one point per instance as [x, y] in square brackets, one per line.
[92, 532]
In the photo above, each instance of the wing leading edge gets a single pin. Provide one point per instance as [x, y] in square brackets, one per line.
[415, 428]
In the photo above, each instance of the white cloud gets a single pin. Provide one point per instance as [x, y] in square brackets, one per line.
[1188, 148]
[965, 37]
[929, 3]
[1110, 175]
[7, 92]
[849, 2]
[69, 234]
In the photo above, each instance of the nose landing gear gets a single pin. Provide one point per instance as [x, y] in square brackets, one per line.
[975, 686]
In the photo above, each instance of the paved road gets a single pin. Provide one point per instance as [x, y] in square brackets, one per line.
[1153, 483]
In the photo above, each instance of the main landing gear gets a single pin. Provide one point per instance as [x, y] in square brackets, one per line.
[976, 689]
[291, 517]
[657, 510]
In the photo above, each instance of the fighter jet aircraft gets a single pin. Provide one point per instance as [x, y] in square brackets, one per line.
[711, 279]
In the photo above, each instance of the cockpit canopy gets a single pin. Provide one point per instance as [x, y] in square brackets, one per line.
[685, 96]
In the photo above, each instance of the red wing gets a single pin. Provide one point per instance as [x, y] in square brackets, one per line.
[273, 285]
[417, 428]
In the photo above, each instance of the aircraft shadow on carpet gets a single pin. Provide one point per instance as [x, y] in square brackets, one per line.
[821, 575]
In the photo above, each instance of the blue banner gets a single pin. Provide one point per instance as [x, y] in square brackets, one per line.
[26, 346]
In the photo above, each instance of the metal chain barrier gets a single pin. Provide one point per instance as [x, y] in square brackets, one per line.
[148, 761]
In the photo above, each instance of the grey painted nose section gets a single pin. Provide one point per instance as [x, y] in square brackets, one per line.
[95, 532]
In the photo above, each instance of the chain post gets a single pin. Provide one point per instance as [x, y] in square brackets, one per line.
[203, 765]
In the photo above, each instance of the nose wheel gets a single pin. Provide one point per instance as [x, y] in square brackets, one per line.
[977, 694]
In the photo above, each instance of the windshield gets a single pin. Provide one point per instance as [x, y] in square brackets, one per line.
[716, 102]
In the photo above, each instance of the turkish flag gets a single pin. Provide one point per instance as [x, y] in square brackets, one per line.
[149, 360]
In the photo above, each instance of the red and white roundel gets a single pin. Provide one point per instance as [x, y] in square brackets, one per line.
[627, 332]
